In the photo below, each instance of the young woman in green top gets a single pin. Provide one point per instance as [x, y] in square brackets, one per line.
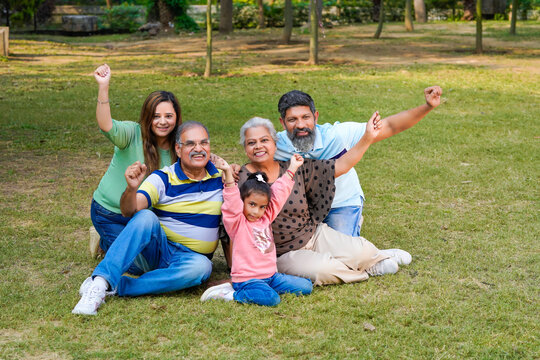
[150, 141]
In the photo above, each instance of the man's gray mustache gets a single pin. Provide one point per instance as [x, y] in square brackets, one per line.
[195, 153]
[308, 130]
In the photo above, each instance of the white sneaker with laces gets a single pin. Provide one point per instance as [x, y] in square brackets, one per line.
[87, 283]
[91, 299]
[384, 267]
[400, 256]
[219, 292]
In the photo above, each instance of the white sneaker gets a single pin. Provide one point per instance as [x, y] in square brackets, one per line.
[400, 256]
[87, 283]
[386, 266]
[92, 298]
[219, 292]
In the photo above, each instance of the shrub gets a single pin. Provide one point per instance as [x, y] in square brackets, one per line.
[182, 20]
[185, 22]
[245, 16]
[123, 17]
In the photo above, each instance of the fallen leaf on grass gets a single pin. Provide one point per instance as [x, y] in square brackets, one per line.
[368, 326]
[155, 306]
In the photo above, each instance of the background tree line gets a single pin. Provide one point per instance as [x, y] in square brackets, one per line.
[260, 14]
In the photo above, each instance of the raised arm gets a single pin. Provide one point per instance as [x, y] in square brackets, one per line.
[103, 110]
[232, 208]
[373, 128]
[131, 202]
[282, 187]
[228, 172]
[404, 120]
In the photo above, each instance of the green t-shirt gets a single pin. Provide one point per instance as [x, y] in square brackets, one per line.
[127, 138]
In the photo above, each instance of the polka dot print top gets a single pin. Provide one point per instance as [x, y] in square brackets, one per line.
[308, 205]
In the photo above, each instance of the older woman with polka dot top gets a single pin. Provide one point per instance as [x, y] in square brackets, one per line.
[306, 246]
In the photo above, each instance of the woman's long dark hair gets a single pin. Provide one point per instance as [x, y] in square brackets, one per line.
[151, 153]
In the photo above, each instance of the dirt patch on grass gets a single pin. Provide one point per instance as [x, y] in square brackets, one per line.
[33, 178]
[11, 335]
[262, 51]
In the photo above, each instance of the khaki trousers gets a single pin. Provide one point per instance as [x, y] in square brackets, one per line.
[331, 257]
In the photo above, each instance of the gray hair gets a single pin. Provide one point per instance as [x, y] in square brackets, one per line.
[189, 125]
[256, 122]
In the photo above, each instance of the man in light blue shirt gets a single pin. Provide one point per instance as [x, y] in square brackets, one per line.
[304, 136]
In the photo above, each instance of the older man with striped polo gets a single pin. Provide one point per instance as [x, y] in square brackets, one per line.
[176, 238]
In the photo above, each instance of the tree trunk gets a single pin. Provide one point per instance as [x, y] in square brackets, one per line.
[288, 15]
[376, 10]
[420, 11]
[381, 21]
[108, 4]
[408, 15]
[226, 17]
[513, 17]
[35, 19]
[208, 69]
[468, 10]
[314, 38]
[479, 49]
[165, 14]
[261, 14]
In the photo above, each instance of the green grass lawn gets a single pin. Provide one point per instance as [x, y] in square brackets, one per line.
[459, 191]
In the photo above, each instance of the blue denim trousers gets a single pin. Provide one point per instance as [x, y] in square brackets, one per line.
[109, 225]
[345, 219]
[173, 266]
[266, 291]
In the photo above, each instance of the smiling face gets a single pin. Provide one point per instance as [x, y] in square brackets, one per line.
[255, 205]
[259, 145]
[194, 151]
[164, 120]
[299, 122]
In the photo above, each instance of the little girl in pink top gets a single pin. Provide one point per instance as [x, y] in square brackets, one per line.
[247, 215]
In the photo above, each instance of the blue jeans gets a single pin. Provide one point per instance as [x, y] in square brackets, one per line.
[266, 291]
[345, 219]
[173, 266]
[109, 225]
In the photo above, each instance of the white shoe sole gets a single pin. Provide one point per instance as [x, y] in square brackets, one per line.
[206, 294]
[402, 257]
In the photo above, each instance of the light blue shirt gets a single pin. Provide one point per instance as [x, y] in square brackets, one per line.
[331, 142]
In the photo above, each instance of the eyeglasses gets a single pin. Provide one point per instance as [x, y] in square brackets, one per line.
[191, 144]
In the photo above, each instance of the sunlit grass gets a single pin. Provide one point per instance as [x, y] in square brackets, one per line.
[459, 191]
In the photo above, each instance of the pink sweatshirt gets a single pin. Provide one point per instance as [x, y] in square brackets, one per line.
[253, 249]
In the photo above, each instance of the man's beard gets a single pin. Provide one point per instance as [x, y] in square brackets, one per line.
[302, 143]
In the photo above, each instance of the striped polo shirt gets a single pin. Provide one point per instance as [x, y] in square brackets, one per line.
[188, 210]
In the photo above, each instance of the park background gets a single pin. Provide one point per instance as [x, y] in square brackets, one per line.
[459, 191]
